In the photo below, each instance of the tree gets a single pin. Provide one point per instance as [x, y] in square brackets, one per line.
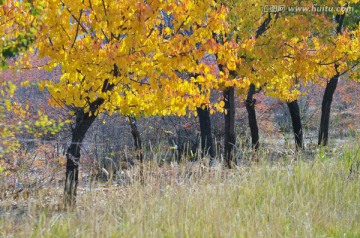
[240, 69]
[348, 60]
[288, 55]
[15, 36]
[229, 59]
[17, 32]
[244, 68]
[27, 124]
[115, 59]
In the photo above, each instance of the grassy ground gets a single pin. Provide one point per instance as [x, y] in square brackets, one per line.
[318, 197]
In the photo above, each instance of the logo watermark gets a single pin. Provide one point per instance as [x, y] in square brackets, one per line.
[315, 9]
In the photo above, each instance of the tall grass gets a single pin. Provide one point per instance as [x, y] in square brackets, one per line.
[319, 197]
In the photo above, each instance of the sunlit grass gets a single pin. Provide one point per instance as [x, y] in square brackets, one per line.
[319, 197]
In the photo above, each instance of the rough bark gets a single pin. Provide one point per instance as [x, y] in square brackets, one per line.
[296, 123]
[250, 101]
[207, 145]
[230, 139]
[325, 110]
[329, 93]
[83, 123]
[138, 145]
[137, 139]
[250, 108]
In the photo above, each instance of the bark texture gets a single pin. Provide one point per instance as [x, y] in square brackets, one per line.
[329, 93]
[326, 109]
[83, 123]
[250, 101]
[207, 145]
[230, 139]
[138, 145]
[250, 108]
[296, 123]
[137, 138]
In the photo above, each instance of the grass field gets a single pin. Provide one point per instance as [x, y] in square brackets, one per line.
[317, 197]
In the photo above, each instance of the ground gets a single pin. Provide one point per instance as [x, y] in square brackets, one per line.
[296, 195]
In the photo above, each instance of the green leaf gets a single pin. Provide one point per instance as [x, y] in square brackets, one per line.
[4, 65]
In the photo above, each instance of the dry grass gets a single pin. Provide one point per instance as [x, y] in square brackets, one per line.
[303, 198]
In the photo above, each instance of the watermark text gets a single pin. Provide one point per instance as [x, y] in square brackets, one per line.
[315, 9]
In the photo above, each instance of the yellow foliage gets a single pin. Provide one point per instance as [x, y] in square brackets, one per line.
[116, 53]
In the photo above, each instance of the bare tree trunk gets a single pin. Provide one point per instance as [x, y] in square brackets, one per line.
[329, 93]
[250, 101]
[83, 123]
[207, 145]
[138, 146]
[250, 108]
[325, 110]
[296, 123]
[230, 138]
[137, 139]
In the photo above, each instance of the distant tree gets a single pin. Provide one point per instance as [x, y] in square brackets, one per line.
[346, 61]
[19, 23]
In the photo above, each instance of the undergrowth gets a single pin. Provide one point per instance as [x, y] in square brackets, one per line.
[316, 197]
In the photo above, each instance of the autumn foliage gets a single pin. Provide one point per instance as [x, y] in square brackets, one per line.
[149, 58]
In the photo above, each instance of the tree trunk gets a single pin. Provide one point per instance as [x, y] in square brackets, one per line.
[230, 138]
[250, 108]
[207, 145]
[137, 139]
[138, 146]
[296, 123]
[83, 123]
[325, 110]
[329, 93]
[250, 101]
